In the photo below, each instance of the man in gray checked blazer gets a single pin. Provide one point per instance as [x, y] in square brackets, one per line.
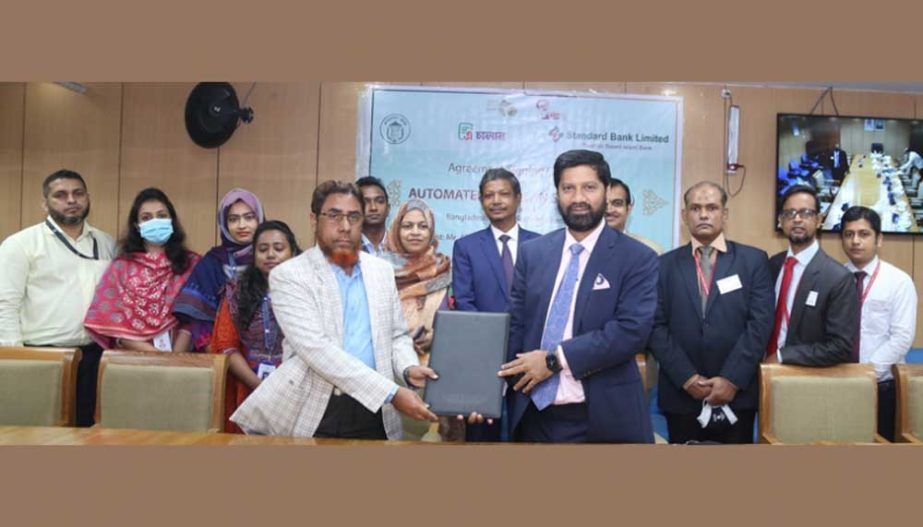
[345, 338]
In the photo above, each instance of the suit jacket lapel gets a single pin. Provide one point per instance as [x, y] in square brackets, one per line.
[330, 288]
[690, 278]
[725, 262]
[602, 253]
[805, 285]
[492, 256]
[549, 272]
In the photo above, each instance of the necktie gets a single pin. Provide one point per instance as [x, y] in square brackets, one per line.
[860, 277]
[772, 345]
[544, 393]
[506, 258]
[705, 265]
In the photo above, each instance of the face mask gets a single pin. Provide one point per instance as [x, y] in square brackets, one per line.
[157, 230]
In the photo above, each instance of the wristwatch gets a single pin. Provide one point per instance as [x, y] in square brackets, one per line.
[551, 362]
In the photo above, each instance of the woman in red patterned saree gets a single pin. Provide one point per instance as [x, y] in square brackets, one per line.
[133, 305]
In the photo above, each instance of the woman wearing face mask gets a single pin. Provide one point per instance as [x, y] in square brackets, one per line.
[239, 212]
[246, 329]
[133, 305]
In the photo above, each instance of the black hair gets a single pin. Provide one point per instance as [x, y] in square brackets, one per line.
[61, 174]
[800, 189]
[576, 158]
[372, 181]
[494, 174]
[333, 187]
[858, 212]
[616, 182]
[175, 248]
[252, 285]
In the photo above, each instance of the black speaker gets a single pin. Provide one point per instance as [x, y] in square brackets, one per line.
[213, 113]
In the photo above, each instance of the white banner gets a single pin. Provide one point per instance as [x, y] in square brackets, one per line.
[436, 144]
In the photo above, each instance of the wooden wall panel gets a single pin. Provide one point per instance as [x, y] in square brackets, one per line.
[66, 129]
[339, 107]
[275, 156]
[157, 151]
[703, 131]
[12, 108]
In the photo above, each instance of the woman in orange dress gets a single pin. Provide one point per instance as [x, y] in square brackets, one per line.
[245, 328]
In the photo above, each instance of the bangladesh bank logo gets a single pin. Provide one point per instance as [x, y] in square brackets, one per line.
[395, 129]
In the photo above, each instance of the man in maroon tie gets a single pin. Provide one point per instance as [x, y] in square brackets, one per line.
[816, 304]
[483, 263]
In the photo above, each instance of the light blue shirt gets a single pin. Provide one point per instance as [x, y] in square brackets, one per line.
[357, 324]
[368, 247]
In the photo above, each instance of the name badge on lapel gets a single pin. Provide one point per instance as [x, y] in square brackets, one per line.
[812, 299]
[600, 282]
[728, 284]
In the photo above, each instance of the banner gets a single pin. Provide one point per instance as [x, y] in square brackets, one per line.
[435, 144]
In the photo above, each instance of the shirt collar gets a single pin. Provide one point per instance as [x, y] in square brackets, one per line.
[340, 273]
[512, 233]
[589, 242]
[869, 268]
[719, 244]
[805, 256]
[87, 228]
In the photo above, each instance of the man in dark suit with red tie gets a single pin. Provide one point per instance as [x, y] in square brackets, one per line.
[483, 263]
[714, 313]
[816, 303]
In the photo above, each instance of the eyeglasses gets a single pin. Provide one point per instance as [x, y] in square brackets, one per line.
[806, 214]
[336, 216]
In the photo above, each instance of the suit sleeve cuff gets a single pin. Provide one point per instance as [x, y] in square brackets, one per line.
[391, 394]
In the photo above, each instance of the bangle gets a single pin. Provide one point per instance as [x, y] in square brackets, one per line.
[407, 382]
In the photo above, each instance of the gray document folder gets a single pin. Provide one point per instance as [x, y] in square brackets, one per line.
[468, 349]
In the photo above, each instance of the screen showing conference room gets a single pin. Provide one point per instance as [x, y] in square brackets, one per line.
[854, 160]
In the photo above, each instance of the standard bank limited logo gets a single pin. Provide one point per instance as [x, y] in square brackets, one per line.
[395, 128]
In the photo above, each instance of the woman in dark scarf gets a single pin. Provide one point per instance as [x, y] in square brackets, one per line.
[239, 213]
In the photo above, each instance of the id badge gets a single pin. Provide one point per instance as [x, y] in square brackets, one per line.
[162, 342]
[264, 369]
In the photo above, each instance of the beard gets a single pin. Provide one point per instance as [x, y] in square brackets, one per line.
[341, 257]
[582, 222]
[63, 219]
[802, 239]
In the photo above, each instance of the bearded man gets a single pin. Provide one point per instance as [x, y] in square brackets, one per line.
[346, 340]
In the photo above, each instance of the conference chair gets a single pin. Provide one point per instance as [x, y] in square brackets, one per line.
[161, 391]
[836, 404]
[908, 383]
[38, 386]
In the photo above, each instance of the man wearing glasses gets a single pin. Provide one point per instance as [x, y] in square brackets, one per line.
[816, 305]
[345, 337]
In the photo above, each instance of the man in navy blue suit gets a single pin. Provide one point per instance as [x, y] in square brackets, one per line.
[483, 263]
[714, 315]
[583, 302]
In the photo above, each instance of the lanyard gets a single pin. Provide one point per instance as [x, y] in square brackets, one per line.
[706, 286]
[865, 292]
[71, 247]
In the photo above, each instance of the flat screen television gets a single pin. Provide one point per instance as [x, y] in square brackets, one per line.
[853, 160]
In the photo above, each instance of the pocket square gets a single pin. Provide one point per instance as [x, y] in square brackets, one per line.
[600, 283]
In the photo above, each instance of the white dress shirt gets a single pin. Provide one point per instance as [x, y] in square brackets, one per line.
[889, 317]
[803, 259]
[570, 390]
[513, 242]
[45, 289]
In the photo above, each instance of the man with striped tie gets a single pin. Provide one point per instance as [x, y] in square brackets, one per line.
[583, 302]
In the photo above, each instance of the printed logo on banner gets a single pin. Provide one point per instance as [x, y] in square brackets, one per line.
[544, 109]
[652, 202]
[465, 131]
[555, 134]
[395, 128]
[504, 107]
